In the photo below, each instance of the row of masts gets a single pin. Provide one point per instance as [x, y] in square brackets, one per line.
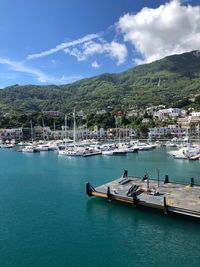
[74, 138]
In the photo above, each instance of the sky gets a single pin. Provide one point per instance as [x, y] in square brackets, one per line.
[61, 41]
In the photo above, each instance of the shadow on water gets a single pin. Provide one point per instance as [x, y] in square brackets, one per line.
[104, 206]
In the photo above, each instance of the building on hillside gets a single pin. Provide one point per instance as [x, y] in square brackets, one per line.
[164, 114]
[56, 135]
[26, 133]
[145, 120]
[120, 133]
[41, 132]
[194, 119]
[132, 113]
[188, 120]
[174, 130]
[80, 113]
[183, 121]
[14, 133]
[195, 114]
[101, 112]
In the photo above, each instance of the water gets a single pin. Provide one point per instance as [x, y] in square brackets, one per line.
[47, 220]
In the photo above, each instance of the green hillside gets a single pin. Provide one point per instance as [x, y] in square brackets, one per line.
[167, 81]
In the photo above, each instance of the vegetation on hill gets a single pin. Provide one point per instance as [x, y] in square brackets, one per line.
[172, 81]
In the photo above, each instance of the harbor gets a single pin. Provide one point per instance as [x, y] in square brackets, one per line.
[43, 206]
[170, 198]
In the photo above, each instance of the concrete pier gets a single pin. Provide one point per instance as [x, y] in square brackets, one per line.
[166, 196]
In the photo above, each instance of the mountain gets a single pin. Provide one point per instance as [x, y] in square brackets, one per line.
[170, 81]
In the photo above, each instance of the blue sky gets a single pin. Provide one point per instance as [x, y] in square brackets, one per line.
[60, 41]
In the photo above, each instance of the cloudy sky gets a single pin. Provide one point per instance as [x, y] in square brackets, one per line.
[61, 41]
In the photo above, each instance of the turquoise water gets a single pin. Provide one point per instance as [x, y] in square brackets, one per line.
[47, 220]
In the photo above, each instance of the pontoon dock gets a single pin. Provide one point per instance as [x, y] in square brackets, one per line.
[163, 195]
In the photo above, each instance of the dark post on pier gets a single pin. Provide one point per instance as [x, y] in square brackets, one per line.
[147, 182]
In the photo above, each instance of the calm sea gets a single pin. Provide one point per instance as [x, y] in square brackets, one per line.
[47, 220]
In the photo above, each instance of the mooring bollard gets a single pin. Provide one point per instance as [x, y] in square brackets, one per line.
[109, 193]
[166, 179]
[135, 199]
[88, 189]
[165, 205]
[191, 182]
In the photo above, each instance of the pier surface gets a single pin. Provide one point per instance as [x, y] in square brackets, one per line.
[169, 197]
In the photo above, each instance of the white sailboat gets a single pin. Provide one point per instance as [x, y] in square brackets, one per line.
[64, 151]
[30, 148]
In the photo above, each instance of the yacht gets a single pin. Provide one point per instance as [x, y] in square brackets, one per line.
[29, 149]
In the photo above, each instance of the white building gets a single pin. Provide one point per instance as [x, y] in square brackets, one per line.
[175, 130]
[101, 112]
[195, 114]
[15, 133]
[163, 114]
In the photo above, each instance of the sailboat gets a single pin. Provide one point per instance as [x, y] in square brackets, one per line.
[64, 151]
[30, 148]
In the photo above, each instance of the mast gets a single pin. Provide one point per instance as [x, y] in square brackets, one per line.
[54, 129]
[74, 126]
[86, 132]
[116, 127]
[65, 130]
[43, 127]
[31, 131]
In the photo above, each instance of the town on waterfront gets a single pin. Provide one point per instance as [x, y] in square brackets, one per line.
[175, 126]
[104, 125]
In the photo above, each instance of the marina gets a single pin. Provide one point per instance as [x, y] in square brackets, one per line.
[100, 133]
[43, 205]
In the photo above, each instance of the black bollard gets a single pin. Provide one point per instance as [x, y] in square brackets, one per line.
[88, 189]
[191, 182]
[145, 177]
[135, 199]
[108, 193]
[125, 173]
[166, 179]
[165, 205]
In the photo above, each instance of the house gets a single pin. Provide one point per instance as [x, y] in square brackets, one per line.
[80, 113]
[54, 113]
[145, 120]
[41, 132]
[14, 133]
[132, 113]
[164, 114]
[174, 130]
[100, 112]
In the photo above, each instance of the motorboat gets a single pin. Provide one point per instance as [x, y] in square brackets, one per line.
[29, 149]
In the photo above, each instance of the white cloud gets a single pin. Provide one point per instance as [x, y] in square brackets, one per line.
[118, 51]
[62, 46]
[114, 49]
[95, 64]
[39, 75]
[87, 46]
[21, 67]
[171, 28]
